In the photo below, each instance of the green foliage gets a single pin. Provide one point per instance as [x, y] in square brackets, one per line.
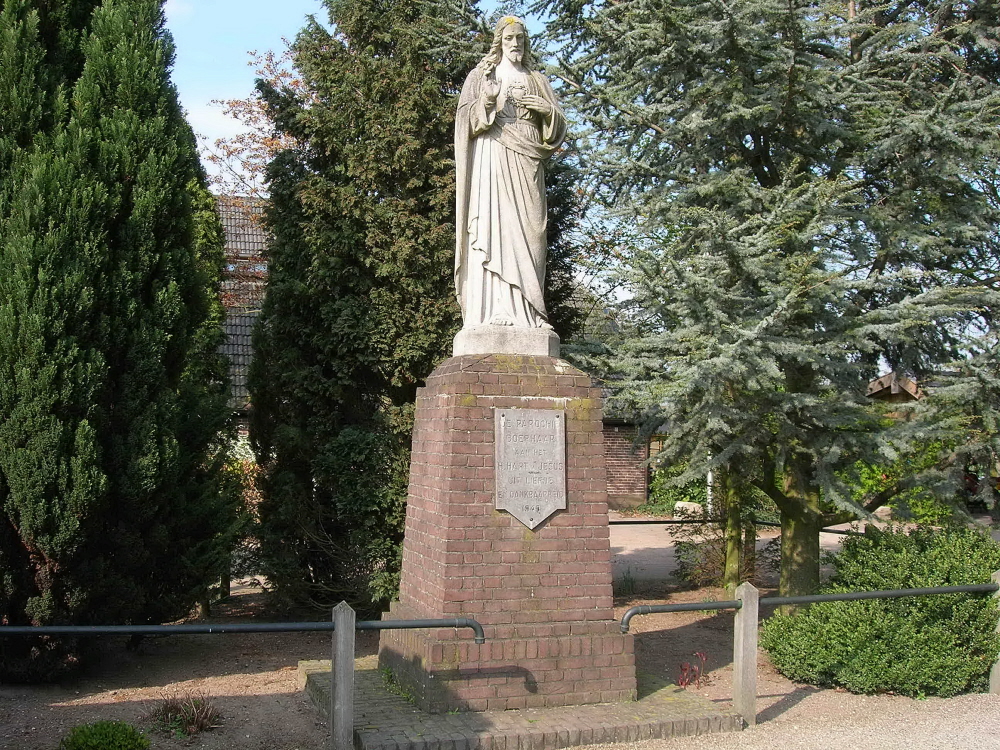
[811, 193]
[916, 502]
[966, 404]
[919, 505]
[923, 508]
[105, 735]
[701, 549]
[931, 645]
[241, 480]
[360, 303]
[665, 493]
[565, 314]
[112, 394]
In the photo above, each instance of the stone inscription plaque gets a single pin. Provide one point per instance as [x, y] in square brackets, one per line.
[530, 463]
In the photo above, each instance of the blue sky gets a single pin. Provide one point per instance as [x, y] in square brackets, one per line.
[214, 39]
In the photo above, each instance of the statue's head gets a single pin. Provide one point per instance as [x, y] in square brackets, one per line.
[510, 38]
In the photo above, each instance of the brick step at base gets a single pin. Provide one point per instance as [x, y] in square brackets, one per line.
[385, 720]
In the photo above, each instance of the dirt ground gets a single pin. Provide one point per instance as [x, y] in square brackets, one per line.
[251, 679]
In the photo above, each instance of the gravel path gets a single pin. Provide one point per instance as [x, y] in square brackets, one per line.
[970, 722]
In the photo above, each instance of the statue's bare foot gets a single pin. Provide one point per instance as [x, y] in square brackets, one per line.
[545, 326]
[500, 320]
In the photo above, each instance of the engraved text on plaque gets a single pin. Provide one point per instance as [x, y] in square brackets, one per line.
[530, 463]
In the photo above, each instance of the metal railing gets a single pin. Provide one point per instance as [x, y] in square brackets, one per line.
[747, 604]
[238, 627]
[648, 609]
[681, 521]
[342, 624]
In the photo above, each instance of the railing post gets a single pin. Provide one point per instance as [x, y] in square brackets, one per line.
[995, 672]
[745, 654]
[342, 679]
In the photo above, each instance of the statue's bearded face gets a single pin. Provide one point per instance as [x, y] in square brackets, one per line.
[512, 42]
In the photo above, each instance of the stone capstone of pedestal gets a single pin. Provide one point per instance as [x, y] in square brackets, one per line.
[488, 339]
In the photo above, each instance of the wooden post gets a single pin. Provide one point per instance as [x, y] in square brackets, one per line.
[342, 679]
[995, 672]
[745, 654]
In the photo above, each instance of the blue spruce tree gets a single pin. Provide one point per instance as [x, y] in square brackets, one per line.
[812, 180]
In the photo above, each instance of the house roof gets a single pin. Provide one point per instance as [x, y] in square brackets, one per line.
[243, 285]
[894, 387]
[246, 251]
[239, 349]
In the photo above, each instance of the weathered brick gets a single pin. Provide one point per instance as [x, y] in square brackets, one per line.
[546, 593]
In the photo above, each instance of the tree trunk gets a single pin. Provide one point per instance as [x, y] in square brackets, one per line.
[733, 533]
[801, 521]
[750, 551]
[799, 555]
[226, 579]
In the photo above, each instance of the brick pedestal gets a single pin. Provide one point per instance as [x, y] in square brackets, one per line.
[543, 596]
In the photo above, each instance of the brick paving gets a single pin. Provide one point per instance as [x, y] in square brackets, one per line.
[386, 721]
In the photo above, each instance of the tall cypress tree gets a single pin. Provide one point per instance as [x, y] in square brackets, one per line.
[811, 181]
[112, 399]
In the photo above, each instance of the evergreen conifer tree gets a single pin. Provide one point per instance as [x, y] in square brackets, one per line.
[810, 180]
[112, 396]
[359, 304]
[361, 301]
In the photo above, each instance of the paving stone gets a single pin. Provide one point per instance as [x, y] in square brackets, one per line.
[385, 721]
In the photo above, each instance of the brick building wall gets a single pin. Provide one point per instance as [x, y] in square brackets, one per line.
[628, 474]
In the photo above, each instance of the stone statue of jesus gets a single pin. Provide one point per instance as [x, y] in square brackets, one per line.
[508, 123]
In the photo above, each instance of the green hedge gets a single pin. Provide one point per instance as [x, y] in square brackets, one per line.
[916, 646]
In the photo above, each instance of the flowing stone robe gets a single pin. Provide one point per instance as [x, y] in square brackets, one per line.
[501, 208]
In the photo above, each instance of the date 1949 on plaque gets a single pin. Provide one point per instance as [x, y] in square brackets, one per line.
[530, 463]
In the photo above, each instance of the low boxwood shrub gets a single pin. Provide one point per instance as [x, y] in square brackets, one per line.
[917, 646]
[105, 735]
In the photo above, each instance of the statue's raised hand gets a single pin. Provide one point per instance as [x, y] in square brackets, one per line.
[491, 88]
